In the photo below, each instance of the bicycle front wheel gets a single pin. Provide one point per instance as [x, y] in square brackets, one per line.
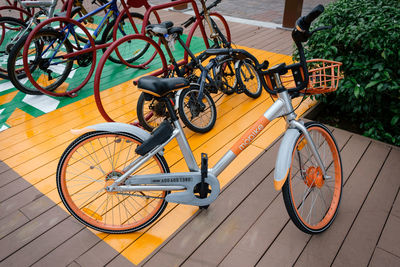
[196, 117]
[48, 68]
[311, 199]
[90, 164]
[249, 79]
[225, 76]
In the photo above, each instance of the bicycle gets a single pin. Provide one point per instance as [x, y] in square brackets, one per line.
[114, 177]
[155, 55]
[195, 105]
[49, 55]
[13, 29]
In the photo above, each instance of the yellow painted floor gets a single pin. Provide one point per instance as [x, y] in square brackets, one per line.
[33, 146]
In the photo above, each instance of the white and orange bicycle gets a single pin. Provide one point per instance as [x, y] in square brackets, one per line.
[114, 178]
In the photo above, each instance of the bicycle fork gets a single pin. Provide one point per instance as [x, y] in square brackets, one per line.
[295, 129]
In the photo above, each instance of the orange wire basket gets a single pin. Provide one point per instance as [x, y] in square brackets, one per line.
[324, 77]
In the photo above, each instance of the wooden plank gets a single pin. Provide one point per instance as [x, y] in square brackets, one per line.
[363, 236]
[13, 188]
[213, 250]
[12, 222]
[18, 201]
[390, 239]
[98, 255]
[44, 243]
[69, 250]
[260, 236]
[7, 175]
[120, 261]
[354, 150]
[383, 258]
[396, 207]
[190, 237]
[354, 194]
[37, 207]
[30, 231]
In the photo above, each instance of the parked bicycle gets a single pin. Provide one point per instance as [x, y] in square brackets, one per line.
[114, 177]
[50, 54]
[216, 37]
[195, 105]
[13, 29]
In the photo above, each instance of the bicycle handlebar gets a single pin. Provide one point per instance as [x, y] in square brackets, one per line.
[305, 22]
[300, 34]
[301, 31]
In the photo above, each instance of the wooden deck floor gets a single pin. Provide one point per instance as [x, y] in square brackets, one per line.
[247, 225]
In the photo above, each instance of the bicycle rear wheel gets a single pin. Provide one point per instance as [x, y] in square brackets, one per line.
[90, 164]
[150, 112]
[195, 117]
[312, 200]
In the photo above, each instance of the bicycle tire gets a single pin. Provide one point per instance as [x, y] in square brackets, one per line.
[151, 113]
[307, 178]
[15, 68]
[6, 38]
[108, 35]
[40, 73]
[89, 165]
[190, 112]
[249, 79]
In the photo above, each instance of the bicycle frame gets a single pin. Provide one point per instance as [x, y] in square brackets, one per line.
[112, 11]
[70, 28]
[188, 180]
[90, 46]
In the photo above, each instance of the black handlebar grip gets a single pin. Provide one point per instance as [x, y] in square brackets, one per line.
[314, 14]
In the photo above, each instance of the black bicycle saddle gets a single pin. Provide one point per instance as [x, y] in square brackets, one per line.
[161, 86]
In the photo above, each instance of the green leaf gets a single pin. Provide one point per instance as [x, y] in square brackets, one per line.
[394, 120]
[372, 83]
[356, 91]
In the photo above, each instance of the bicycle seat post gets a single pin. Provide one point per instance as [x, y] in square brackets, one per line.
[207, 17]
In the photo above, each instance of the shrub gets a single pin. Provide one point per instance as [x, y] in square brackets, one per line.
[366, 38]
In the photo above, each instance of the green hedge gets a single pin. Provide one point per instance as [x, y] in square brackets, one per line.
[366, 38]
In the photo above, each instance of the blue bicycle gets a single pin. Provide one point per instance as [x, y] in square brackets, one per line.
[57, 47]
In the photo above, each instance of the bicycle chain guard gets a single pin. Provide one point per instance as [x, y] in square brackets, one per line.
[187, 180]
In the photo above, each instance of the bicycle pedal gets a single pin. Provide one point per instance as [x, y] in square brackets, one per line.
[204, 165]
